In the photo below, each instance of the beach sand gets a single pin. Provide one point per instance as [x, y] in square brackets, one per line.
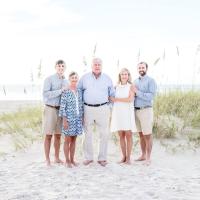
[24, 175]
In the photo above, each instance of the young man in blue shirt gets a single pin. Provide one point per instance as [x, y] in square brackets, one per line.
[53, 87]
[145, 90]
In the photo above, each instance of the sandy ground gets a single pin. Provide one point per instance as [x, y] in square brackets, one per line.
[24, 175]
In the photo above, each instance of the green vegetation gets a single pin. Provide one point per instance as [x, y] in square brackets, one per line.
[176, 118]
[184, 105]
[24, 126]
[177, 115]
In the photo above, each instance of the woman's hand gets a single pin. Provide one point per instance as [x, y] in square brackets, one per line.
[133, 89]
[112, 99]
[83, 121]
[65, 123]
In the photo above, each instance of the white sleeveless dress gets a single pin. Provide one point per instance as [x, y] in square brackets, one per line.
[123, 116]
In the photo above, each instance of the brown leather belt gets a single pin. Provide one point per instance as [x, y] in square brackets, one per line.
[56, 107]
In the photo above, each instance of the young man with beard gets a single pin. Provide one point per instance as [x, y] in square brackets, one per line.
[145, 90]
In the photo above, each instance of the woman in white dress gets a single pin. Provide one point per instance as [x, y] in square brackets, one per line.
[123, 117]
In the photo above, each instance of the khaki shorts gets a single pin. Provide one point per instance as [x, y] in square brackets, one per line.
[51, 121]
[144, 120]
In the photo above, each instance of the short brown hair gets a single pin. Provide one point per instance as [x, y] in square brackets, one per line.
[58, 62]
[143, 63]
[72, 74]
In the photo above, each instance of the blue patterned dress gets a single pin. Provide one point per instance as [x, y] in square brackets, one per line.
[68, 109]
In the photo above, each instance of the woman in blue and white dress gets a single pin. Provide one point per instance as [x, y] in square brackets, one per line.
[71, 111]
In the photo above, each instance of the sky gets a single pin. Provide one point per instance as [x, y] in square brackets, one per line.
[123, 31]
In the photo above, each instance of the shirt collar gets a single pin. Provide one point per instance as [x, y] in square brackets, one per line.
[95, 76]
[143, 77]
[63, 77]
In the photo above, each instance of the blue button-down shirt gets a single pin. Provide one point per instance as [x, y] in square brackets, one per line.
[146, 91]
[96, 90]
[52, 89]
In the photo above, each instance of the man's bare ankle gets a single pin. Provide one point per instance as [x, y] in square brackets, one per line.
[68, 164]
[58, 160]
[87, 162]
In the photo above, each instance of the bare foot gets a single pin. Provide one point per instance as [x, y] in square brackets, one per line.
[68, 164]
[87, 162]
[141, 158]
[58, 161]
[147, 162]
[75, 163]
[48, 162]
[103, 163]
[122, 161]
[128, 162]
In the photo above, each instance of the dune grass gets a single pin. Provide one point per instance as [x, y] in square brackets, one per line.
[177, 114]
[184, 105]
[23, 125]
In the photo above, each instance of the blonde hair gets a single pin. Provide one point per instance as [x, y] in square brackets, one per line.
[129, 76]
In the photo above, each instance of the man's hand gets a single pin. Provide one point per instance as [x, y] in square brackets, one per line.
[64, 88]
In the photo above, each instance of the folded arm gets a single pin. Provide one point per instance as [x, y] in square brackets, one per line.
[147, 96]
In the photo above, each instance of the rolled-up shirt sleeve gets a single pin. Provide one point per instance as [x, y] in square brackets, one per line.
[80, 84]
[111, 90]
[148, 96]
[47, 93]
[63, 105]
